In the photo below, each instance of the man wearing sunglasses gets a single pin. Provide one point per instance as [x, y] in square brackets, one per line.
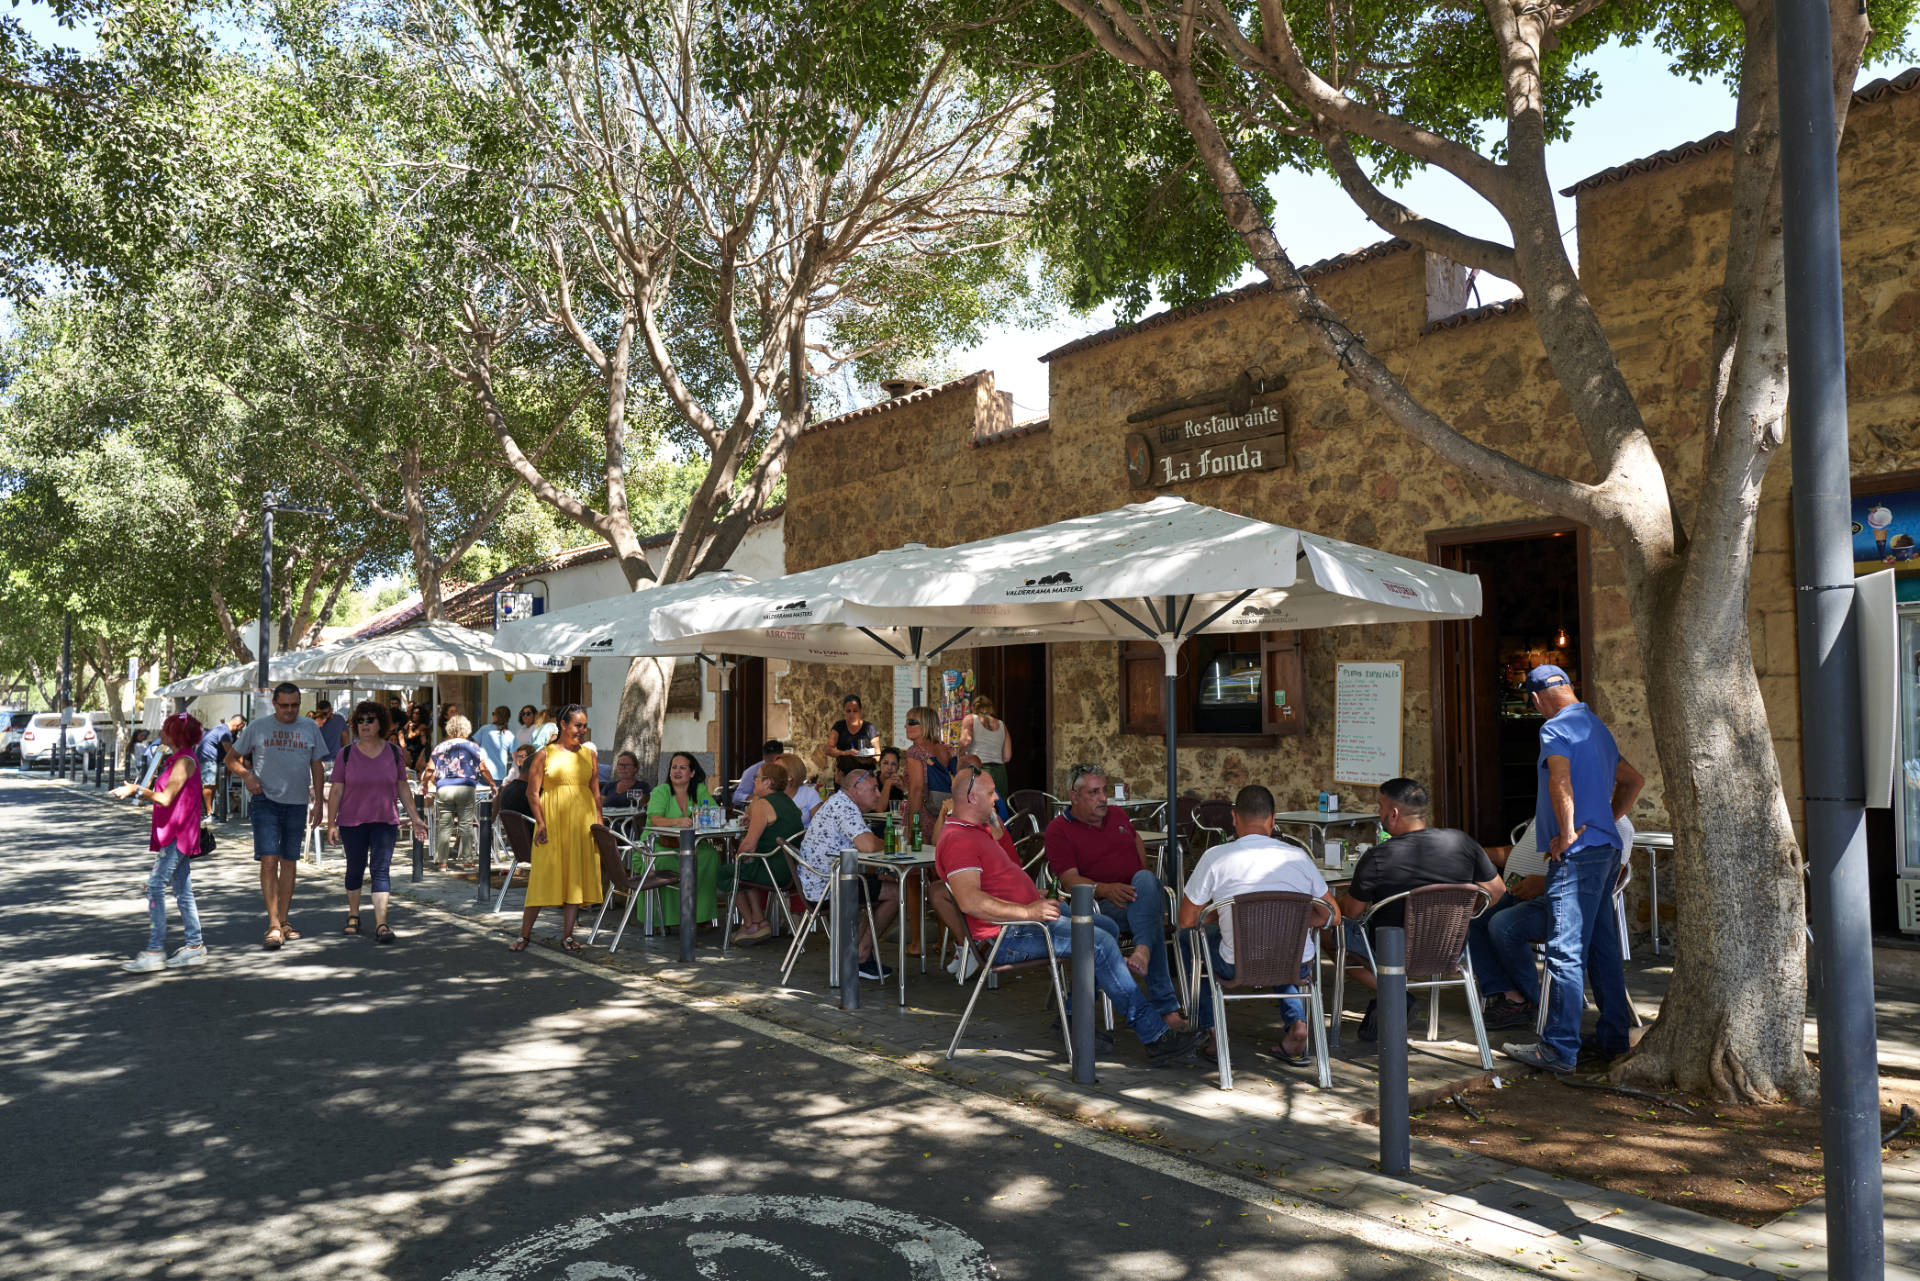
[988, 884]
[287, 772]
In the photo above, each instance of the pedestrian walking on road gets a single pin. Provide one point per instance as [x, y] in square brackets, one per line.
[177, 809]
[564, 790]
[288, 774]
[369, 779]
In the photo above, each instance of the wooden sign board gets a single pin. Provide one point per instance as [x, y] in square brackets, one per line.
[1150, 467]
[1201, 444]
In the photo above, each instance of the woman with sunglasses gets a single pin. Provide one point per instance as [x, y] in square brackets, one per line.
[563, 786]
[369, 781]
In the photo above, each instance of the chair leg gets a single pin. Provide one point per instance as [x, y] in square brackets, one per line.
[626, 914]
[506, 882]
[606, 901]
[807, 921]
[1479, 1021]
[986, 970]
[1319, 1031]
[1059, 993]
[1546, 994]
[1222, 1052]
[1339, 991]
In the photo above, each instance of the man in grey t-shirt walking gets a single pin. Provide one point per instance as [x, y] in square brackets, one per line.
[286, 772]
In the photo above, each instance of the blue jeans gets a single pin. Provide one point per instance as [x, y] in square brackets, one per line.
[279, 831]
[370, 846]
[1110, 972]
[1291, 1011]
[1501, 940]
[1146, 919]
[1584, 947]
[170, 868]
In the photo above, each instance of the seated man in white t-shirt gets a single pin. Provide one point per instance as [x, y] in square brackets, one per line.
[1254, 862]
[1500, 939]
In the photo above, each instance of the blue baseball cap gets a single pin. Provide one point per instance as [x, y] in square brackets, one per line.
[1545, 676]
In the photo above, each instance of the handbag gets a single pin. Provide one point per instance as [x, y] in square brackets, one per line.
[208, 842]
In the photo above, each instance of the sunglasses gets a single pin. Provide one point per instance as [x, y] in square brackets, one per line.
[1083, 771]
[856, 777]
[912, 721]
[286, 707]
[366, 720]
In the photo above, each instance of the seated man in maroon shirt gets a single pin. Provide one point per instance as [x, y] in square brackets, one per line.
[989, 885]
[1093, 842]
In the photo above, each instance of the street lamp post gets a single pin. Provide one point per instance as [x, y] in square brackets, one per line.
[269, 504]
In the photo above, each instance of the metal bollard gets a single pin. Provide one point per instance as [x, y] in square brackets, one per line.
[485, 810]
[1390, 967]
[1084, 1001]
[689, 890]
[846, 922]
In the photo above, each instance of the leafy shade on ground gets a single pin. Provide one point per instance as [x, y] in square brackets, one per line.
[1747, 1165]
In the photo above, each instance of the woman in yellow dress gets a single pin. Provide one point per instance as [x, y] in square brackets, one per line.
[563, 787]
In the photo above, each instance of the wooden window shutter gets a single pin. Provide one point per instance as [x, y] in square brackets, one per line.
[683, 694]
[1141, 669]
[1283, 693]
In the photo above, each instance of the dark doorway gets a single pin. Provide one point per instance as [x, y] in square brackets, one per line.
[1533, 581]
[1015, 677]
[746, 714]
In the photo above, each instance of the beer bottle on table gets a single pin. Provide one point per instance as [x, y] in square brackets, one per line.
[913, 831]
[887, 845]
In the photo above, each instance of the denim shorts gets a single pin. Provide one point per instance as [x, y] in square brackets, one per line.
[279, 831]
[209, 771]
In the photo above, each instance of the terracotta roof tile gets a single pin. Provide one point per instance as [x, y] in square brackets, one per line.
[1880, 90]
[1014, 432]
[1505, 307]
[1314, 271]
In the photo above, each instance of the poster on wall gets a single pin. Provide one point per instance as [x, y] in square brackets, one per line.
[1366, 722]
[1886, 531]
[956, 700]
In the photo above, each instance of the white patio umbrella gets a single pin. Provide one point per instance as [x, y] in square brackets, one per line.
[617, 627]
[1165, 571]
[431, 649]
[235, 678]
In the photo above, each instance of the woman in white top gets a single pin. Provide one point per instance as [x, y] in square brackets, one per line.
[986, 737]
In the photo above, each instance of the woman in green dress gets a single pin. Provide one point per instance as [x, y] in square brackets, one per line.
[674, 804]
[772, 816]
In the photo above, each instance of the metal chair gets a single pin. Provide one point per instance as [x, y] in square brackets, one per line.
[816, 910]
[1437, 957]
[991, 969]
[775, 894]
[617, 872]
[518, 829]
[1272, 931]
[1620, 882]
[1212, 825]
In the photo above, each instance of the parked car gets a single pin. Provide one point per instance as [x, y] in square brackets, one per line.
[41, 738]
[10, 732]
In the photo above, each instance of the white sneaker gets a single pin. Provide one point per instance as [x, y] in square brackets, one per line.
[146, 963]
[964, 964]
[187, 956]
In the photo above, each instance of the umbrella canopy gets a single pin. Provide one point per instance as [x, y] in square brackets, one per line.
[617, 627]
[431, 649]
[1164, 570]
[236, 678]
[807, 616]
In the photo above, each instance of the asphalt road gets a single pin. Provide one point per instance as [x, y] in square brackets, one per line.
[443, 1108]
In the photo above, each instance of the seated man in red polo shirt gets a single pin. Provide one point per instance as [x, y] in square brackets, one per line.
[1093, 842]
[989, 885]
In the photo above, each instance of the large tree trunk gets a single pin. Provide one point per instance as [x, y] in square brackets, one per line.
[643, 712]
[1731, 1024]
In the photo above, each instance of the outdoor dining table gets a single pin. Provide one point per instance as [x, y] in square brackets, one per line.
[906, 863]
[1652, 843]
[1320, 821]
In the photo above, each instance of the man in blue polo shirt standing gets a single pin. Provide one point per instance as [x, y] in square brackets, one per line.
[1584, 786]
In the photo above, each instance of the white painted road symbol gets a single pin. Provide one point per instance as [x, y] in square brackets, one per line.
[727, 1238]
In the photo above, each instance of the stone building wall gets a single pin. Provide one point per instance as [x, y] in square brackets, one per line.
[1651, 248]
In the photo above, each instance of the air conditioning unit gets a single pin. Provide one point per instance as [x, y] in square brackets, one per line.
[1909, 904]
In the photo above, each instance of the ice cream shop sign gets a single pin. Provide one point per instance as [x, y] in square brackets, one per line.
[1242, 428]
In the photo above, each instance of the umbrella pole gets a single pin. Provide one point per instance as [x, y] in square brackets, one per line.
[721, 791]
[1175, 863]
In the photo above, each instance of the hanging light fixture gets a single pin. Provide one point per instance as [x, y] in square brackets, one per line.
[1560, 608]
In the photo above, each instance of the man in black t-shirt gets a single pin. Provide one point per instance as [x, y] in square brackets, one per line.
[1416, 855]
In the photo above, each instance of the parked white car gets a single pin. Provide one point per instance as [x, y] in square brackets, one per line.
[41, 738]
[11, 729]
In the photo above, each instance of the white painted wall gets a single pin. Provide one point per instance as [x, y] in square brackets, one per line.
[761, 554]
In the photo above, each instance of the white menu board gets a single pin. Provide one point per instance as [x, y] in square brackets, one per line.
[1366, 722]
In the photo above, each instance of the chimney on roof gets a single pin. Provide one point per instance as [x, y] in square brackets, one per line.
[900, 385]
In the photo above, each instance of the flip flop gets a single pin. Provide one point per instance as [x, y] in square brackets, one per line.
[520, 944]
[571, 944]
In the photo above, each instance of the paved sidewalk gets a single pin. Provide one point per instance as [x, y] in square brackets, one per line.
[1276, 1126]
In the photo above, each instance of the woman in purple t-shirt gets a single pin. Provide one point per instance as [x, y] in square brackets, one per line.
[177, 808]
[369, 777]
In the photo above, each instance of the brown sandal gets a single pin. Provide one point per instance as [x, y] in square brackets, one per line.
[273, 940]
[353, 924]
[520, 944]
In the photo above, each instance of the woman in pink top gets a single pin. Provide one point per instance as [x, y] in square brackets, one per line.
[369, 779]
[177, 807]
